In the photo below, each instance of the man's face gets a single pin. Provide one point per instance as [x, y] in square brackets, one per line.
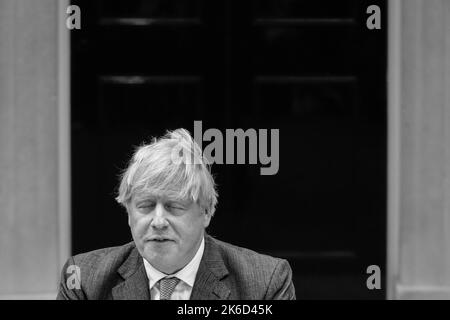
[167, 232]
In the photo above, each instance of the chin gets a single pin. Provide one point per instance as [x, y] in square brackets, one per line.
[164, 266]
[158, 254]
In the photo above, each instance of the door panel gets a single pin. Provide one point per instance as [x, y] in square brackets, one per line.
[308, 68]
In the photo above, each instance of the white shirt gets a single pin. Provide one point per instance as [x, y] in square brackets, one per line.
[186, 275]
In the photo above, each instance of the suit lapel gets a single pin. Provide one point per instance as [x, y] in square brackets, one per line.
[135, 284]
[208, 283]
[212, 269]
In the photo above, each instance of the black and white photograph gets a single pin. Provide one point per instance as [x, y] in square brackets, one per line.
[224, 150]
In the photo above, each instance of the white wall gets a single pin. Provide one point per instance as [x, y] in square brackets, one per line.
[34, 147]
[419, 149]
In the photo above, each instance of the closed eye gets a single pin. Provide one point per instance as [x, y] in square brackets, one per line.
[175, 206]
[146, 205]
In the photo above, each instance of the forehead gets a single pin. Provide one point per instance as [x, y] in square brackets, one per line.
[159, 196]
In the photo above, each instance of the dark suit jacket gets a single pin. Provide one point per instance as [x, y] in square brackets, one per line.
[225, 272]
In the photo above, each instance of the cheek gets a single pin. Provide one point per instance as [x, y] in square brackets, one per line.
[137, 225]
[192, 228]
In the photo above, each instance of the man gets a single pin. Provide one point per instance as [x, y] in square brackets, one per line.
[170, 197]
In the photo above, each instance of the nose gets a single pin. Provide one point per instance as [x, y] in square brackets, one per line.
[159, 220]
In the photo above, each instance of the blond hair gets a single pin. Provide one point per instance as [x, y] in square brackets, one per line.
[172, 165]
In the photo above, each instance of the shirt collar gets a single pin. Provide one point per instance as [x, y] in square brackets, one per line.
[187, 274]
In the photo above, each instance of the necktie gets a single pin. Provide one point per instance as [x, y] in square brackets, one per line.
[166, 287]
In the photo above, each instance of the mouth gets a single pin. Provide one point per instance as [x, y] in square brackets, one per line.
[159, 239]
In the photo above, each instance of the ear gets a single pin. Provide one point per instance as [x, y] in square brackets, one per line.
[127, 207]
[129, 217]
[207, 219]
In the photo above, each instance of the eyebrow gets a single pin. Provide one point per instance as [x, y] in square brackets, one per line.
[150, 197]
[181, 201]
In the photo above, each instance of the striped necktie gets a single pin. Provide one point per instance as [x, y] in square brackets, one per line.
[166, 287]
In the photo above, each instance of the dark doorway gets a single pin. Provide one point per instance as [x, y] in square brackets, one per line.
[308, 68]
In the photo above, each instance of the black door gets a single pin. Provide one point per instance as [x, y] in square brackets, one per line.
[308, 68]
